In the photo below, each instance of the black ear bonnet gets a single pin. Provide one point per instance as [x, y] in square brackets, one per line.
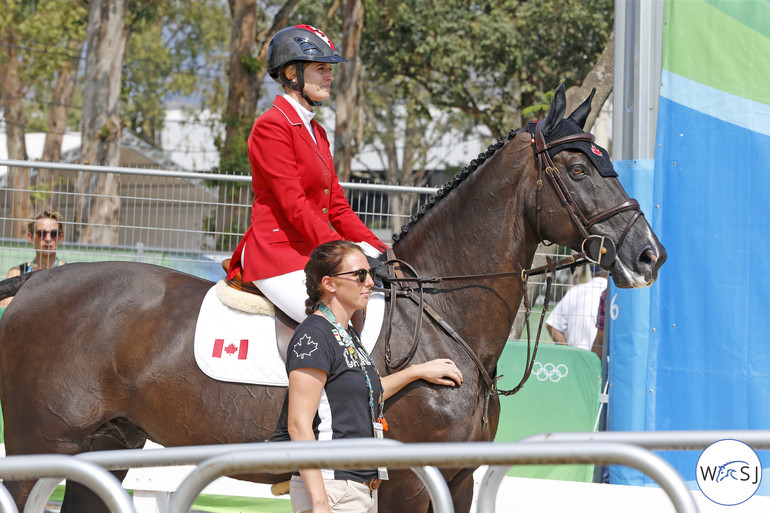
[600, 158]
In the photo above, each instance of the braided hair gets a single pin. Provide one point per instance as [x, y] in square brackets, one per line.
[324, 260]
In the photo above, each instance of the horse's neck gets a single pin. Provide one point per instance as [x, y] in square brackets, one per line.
[478, 228]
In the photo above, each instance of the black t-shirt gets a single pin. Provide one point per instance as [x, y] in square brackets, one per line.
[343, 411]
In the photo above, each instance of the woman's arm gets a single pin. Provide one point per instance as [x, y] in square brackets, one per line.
[305, 388]
[442, 371]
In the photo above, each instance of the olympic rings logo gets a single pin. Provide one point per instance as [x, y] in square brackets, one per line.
[550, 371]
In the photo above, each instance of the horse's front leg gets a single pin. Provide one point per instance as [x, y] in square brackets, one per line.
[403, 492]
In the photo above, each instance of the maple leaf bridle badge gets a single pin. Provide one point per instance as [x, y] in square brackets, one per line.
[304, 347]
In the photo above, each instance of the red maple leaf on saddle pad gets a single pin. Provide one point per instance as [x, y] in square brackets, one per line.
[242, 348]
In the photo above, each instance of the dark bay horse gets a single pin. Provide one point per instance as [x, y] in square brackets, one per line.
[99, 356]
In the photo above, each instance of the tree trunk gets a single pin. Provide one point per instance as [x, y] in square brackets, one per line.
[15, 121]
[242, 98]
[239, 116]
[57, 126]
[96, 216]
[348, 89]
[600, 77]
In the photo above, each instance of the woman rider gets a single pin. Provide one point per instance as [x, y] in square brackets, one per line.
[298, 201]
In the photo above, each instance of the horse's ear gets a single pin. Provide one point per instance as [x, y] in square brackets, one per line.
[556, 110]
[580, 114]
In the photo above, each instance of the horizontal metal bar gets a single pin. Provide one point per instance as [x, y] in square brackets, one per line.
[661, 440]
[61, 166]
[194, 455]
[101, 482]
[445, 455]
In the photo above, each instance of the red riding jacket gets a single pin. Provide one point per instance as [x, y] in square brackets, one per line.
[298, 201]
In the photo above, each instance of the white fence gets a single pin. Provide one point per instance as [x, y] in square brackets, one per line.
[189, 221]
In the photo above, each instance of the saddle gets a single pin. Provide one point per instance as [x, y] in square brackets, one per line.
[235, 298]
[237, 283]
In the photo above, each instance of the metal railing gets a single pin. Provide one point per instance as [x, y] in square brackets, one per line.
[632, 449]
[192, 221]
[423, 458]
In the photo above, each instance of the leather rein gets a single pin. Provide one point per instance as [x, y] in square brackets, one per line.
[596, 249]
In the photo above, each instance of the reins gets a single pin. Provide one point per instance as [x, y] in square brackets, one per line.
[400, 279]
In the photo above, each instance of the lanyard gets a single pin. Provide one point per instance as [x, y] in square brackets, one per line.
[358, 354]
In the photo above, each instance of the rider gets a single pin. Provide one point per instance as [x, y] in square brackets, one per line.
[298, 201]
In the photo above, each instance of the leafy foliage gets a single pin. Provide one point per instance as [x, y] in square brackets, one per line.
[488, 59]
[177, 53]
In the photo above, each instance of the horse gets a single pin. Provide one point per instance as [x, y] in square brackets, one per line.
[99, 356]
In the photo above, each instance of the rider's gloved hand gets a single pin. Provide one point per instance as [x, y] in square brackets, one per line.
[368, 249]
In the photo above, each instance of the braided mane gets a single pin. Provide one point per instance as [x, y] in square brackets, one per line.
[456, 180]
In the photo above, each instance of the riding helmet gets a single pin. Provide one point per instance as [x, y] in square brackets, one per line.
[299, 43]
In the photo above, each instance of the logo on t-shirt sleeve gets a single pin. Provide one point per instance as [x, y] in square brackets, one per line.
[304, 347]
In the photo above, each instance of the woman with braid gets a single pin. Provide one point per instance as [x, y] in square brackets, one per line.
[335, 390]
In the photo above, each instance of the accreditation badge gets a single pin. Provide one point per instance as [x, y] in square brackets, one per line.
[382, 472]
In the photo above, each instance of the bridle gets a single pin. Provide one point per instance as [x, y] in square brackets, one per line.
[597, 248]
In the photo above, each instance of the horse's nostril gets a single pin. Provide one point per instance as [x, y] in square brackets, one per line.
[647, 260]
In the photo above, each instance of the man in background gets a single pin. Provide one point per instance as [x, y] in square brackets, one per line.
[573, 319]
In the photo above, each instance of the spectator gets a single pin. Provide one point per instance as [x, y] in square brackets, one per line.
[45, 234]
[599, 340]
[573, 320]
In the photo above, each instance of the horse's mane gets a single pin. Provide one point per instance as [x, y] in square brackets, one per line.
[457, 180]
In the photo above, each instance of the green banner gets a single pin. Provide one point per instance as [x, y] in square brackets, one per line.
[562, 394]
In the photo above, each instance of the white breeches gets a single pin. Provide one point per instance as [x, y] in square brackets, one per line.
[287, 292]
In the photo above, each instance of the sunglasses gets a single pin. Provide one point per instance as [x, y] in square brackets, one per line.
[360, 274]
[42, 233]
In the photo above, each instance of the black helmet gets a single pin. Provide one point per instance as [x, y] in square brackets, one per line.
[299, 43]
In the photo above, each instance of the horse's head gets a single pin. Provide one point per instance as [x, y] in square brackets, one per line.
[582, 205]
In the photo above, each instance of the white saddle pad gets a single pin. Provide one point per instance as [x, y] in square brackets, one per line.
[231, 345]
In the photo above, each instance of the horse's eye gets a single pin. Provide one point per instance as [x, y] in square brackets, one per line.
[578, 171]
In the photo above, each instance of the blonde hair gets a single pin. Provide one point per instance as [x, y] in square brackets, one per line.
[46, 214]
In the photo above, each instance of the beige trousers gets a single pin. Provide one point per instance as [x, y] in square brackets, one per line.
[344, 496]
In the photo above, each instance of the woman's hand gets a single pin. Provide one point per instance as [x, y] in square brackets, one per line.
[441, 371]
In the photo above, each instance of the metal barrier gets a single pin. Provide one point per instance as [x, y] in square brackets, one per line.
[6, 501]
[423, 458]
[170, 456]
[650, 440]
[104, 484]
[449, 455]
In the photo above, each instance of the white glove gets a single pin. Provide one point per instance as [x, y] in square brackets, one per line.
[368, 249]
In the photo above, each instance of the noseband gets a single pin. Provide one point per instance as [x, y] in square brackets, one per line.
[597, 248]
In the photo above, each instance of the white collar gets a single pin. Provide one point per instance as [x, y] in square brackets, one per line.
[305, 115]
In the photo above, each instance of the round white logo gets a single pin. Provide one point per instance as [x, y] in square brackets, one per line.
[549, 371]
[728, 472]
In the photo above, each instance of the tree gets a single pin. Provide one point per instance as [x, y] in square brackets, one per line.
[491, 60]
[36, 37]
[98, 206]
[12, 90]
[251, 32]
[347, 133]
